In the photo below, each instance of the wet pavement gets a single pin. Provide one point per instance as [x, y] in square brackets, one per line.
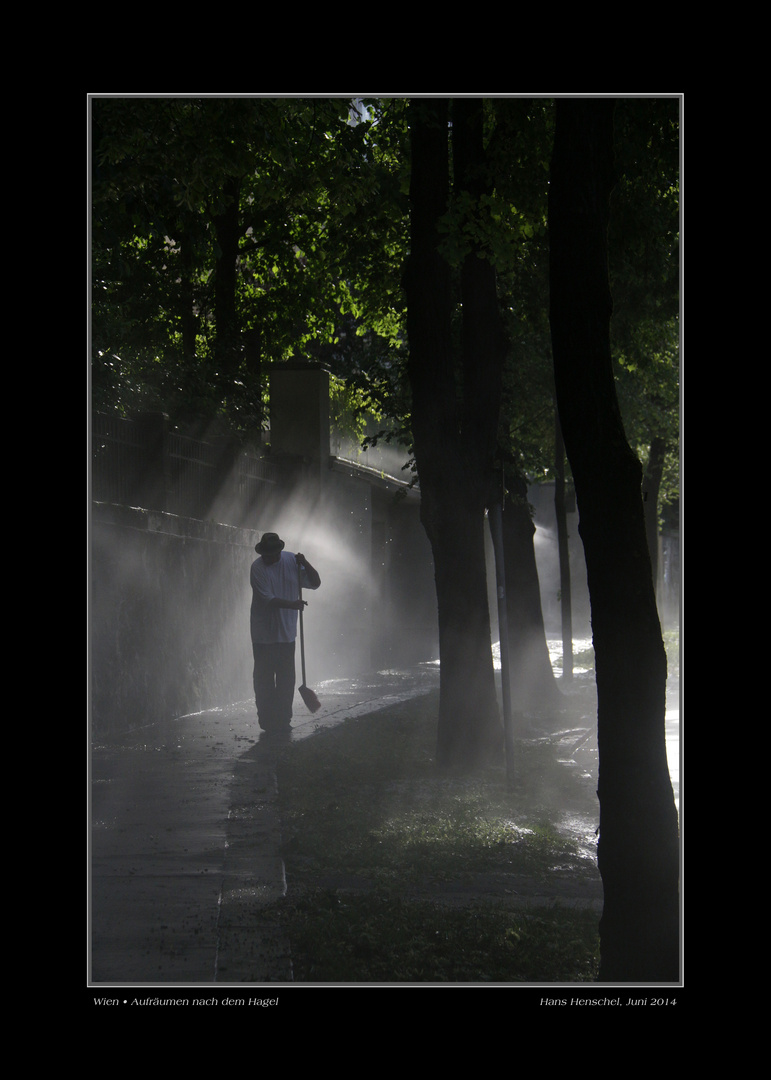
[185, 839]
[185, 836]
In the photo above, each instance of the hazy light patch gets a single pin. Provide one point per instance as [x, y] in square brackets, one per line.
[582, 650]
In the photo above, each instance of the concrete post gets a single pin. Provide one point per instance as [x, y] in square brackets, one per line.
[299, 418]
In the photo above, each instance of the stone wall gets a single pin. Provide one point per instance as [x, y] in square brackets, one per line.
[169, 610]
[169, 616]
[170, 597]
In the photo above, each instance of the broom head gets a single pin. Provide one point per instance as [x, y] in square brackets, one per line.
[310, 699]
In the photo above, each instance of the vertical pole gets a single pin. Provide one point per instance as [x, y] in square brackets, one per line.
[494, 516]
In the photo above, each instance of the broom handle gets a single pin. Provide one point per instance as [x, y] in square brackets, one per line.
[302, 635]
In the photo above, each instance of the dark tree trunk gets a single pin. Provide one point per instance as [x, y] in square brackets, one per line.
[469, 730]
[638, 850]
[447, 436]
[563, 547]
[189, 324]
[228, 342]
[483, 342]
[188, 317]
[253, 364]
[532, 678]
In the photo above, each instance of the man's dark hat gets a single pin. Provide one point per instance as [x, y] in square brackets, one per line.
[269, 543]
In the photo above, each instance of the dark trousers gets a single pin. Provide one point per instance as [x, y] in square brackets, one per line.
[274, 680]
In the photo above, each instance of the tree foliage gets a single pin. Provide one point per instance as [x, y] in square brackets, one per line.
[644, 266]
[231, 231]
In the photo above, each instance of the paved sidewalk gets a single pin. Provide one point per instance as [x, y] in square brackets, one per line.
[185, 840]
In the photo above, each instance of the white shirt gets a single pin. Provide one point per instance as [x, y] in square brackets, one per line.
[281, 580]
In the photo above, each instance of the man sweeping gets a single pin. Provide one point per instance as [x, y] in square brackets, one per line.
[277, 580]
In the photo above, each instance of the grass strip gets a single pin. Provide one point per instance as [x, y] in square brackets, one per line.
[399, 874]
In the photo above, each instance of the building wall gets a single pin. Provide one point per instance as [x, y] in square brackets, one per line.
[169, 611]
[169, 629]
[170, 594]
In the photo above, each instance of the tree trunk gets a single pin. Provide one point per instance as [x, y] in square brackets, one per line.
[188, 317]
[483, 342]
[563, 547]
[228, 341]
[469, 731]
[253, 364]
[452, 489]
[532, 677]
[638, 850]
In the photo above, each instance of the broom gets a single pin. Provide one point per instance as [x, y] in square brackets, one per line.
[308, 696]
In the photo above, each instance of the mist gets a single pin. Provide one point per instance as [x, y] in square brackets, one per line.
[171, 592]
[183, 801]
